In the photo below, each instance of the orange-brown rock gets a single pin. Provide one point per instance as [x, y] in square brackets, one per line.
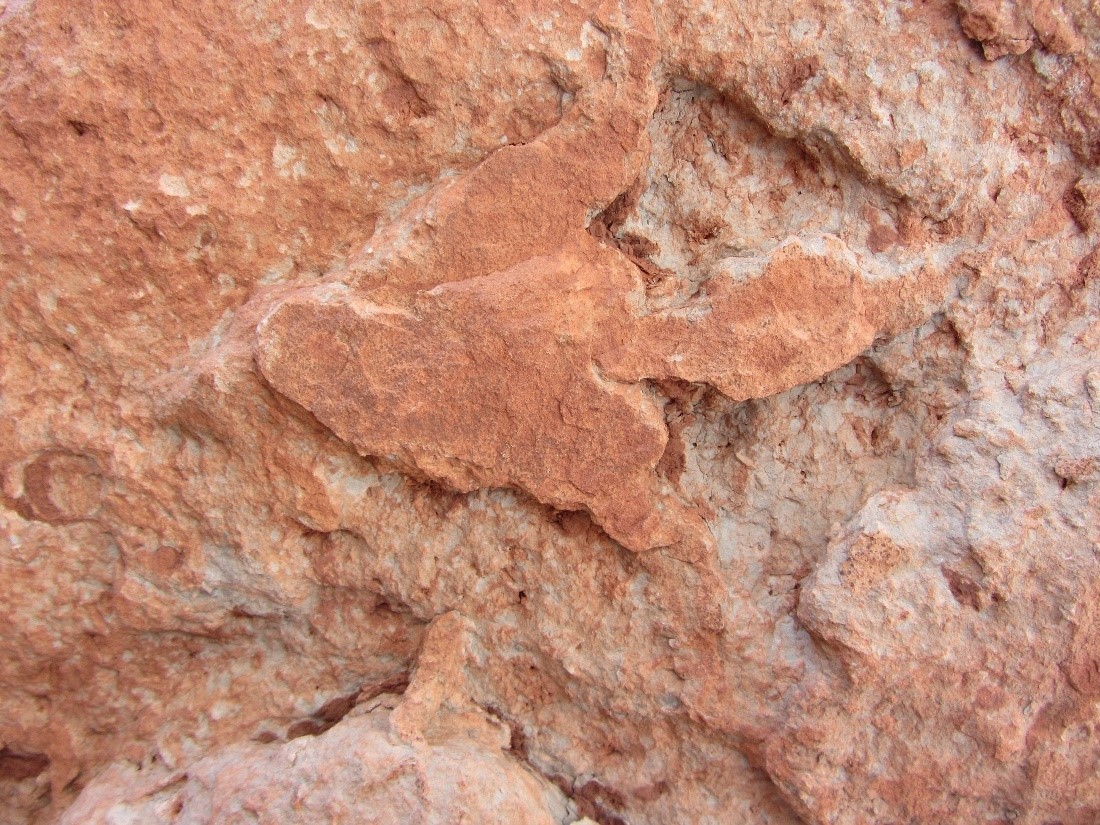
[584, 411]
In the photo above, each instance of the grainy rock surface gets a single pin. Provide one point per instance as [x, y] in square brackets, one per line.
[542, 412]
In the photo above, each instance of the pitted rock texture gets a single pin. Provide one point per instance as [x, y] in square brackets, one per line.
[614, 412]
[423, 757]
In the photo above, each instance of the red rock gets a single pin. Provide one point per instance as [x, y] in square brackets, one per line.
[594, 411]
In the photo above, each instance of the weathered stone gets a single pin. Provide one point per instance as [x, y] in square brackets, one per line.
[589, 411]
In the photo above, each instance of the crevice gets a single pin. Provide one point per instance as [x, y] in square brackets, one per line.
[333, 711]
[17, 765]
[81, 128]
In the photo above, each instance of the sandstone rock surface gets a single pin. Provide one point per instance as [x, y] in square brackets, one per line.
[610, 410]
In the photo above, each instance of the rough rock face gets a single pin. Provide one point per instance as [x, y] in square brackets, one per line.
[532, 412]
[370, 757]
